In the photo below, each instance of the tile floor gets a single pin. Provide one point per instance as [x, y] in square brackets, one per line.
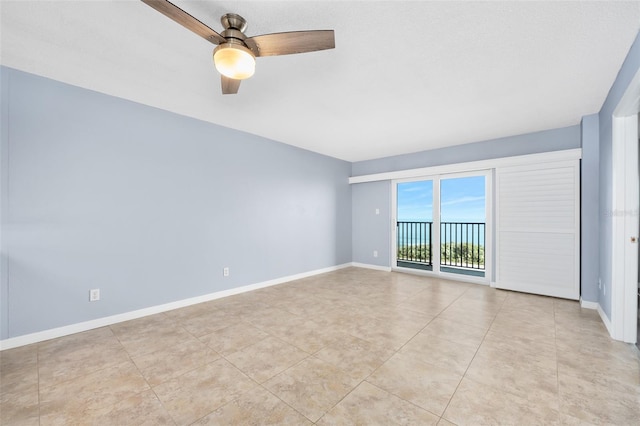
[354, 346]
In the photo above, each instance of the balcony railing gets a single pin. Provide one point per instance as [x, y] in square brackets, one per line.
[462, 244]
[414, 242]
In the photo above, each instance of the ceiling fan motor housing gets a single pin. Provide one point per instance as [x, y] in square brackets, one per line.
[234, 21]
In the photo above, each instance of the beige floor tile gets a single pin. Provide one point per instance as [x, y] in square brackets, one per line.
[144, 324]
[369, 405]
[397, 314]
[571, 311]
[197, 393]
[449, 355]
[445, 422]
[312, 387]
[526, 317]
[506, 348]
[569, 420]
[17, 363]
[466, 316]
[233, 338]
[77, 355]
[141, 409]
[304, 306]
[605, 370]
[420, 383]
[266, 358]
[20, 405]
[270, 317]
[73, 342]
[535, 384]
[537, 360]
[305, 334]
[148, 337]
[87, 399]
[525, 301]
[389, 335]
[166, 363]
[453, 331]
[197, 309]
[357, 357]
[489, 307]
[256, 407]
[599, 403]
[18, 373]
[19, 386]
[478, 404]
[429, 303]
[535, 331]
[598, 347]
[483, 292]
[208, 322]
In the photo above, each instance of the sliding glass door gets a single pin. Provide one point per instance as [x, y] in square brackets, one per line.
[463, 225]
[441, 224]
[414, 226]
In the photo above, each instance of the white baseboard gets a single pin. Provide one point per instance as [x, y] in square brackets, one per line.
[605, 320]
[589, 305]
[66, 330]
[595, 305]
[368, 266]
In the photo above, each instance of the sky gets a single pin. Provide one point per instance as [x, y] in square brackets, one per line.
[462, 200]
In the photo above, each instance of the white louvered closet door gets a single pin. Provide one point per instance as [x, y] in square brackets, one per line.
[538, 229]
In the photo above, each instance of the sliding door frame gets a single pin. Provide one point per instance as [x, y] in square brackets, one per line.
[435, 253]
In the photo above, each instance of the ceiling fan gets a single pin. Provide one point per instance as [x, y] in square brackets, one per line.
[235, 56]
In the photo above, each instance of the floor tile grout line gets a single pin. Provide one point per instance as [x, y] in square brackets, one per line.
[555, 341]
[151, 388]
[403, 399]
[397, 351]
[474, 357]
[285, 402]
[38, 371]
[374, 301]
[83, 375]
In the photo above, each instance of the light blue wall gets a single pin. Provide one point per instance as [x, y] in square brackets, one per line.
[4, 162]
[590, 199]
[149, 206]
[625, 75]
[372, 231]
[369, 234]
[530, 143]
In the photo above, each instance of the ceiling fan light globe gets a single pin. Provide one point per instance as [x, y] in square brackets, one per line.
[234, 61]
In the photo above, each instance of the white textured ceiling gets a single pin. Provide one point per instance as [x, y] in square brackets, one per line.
[405, 76]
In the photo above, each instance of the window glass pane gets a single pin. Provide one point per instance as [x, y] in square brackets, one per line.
[415, 201]
[462, 199]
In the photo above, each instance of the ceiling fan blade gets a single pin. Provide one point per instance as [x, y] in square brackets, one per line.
[230, 86]
[183, 18]
[291, 42]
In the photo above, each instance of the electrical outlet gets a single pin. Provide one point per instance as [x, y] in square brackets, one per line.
[599, 283]
[94, 295]
[225, 272]
[375, 253]
[377, 211]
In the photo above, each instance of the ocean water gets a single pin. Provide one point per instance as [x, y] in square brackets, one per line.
[450, 232]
